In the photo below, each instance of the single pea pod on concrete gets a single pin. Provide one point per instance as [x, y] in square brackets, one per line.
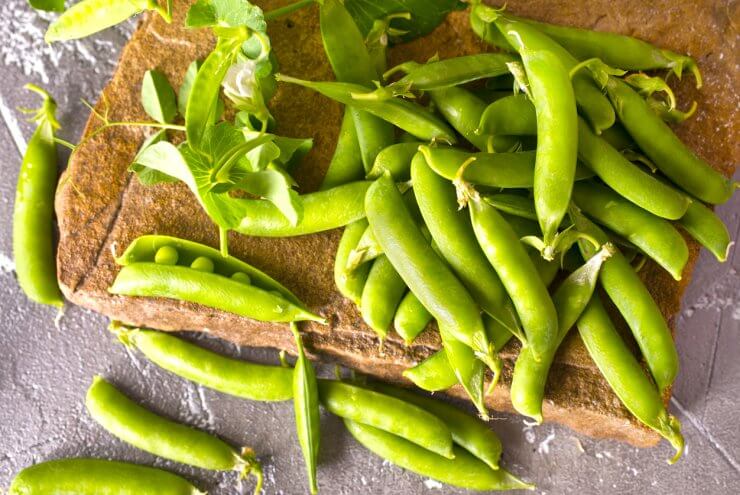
[96, 476]
[322, 210]
[230, 376]
[635, 304]
[33, 211]
[570, 299]
[350, 282]
[707, 228]
[465, 470]
[306, 407]
[656, 139]
[469, 432]
[200, 274]
[409, 116]
[655, 236]
[152, 433]
[625, 375]
[387, 413]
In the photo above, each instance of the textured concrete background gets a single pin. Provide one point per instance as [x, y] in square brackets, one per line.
[46, 365]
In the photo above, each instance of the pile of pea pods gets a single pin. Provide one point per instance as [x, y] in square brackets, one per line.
[484, 196]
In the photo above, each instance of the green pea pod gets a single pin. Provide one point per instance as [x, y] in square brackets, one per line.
[570, 299]
[618, 137]
[367, 249]
[146, 279]
[665, 149]
[627, 179]
[147, 431]
[396, 160]
[655, 236]
[90, 16]
[323, 210]
[512, 115]
[519, 276]
[499, 170]
[373, 135]
[422, 269]
[411, 318]
[33, 212]
[625, 375]
[381, 296]
[468, 370]
[469, 432]
[636, 305]
[455, 239]
[409, 116]
[707, 229]
[345, 165]
[306, 405]
[350, 282]
[512, 204]
[96, 476]
[465, 470]
[387, 413]
[453, 71]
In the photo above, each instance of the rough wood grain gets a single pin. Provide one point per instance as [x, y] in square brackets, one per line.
[101, 207]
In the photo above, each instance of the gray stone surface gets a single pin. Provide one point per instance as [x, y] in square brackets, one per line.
[45, 367]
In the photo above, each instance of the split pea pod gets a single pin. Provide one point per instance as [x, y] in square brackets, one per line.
[33, 211]
[381, 296]
[636, 305]
[345, 165]
[230, 376]
[706, 227]
[411, 318]
[96, 476]
[655, 236]
[469, 432]
[407, 115]
[570, 299]
[152, 433]
[306, 408]
[452, 71]
[625, 375]
[464, 470]
[322, 210]
[665, 149]
[387, 413]
[350, 282]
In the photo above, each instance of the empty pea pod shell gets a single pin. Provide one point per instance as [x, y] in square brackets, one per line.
[96, 476]
[465, 470]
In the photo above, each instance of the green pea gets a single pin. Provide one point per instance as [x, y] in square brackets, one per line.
[202, 264]
[241, 277]
[166, 255]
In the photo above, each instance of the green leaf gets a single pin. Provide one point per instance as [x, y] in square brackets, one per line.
[158, 98]
[48, 5]
[226, 13]
[149, 176]
[425, 14]
[274, 186]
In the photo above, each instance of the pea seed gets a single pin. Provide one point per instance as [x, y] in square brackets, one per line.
[202, 264]
[166, 255]
[241, 277]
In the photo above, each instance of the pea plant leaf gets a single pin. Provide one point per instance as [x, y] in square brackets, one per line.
[158, 98]
[425, 14]
[48, 5]
[276, 187]
[226, 13]
[149, 176]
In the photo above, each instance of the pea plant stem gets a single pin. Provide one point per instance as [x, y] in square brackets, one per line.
[288, 9]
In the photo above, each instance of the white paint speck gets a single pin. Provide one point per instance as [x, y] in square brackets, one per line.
[432, 484]
[544, 446]
[7, 265]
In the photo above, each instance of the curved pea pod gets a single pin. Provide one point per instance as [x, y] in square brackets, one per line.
[209, 289]
[500, 170]
[465, 470]
[396, 160]
[664, 149]
[230, 376]
[511, 115]
[655, 236]
[346, 165]
[421, 268]
[570, 299]
[636, 305]
[468, 371]
[387, 413]
[434, 374]
[95, 476]
[33, 210]
[411, 318]
[513, 205]
[147, 431]
[519, 276]
[627, 179]
[409, 116]
[452, 71]
[381, 296]
[350, 282]
[708, 229]
[469, 432]
[323, 210]
[625, 375]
